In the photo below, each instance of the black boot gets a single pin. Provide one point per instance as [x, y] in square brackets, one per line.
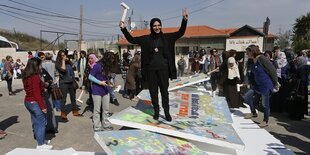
[168, 117]
[156, 113]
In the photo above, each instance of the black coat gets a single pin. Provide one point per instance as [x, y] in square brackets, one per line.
[147, 48]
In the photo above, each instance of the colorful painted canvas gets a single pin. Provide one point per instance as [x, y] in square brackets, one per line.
[187, 81]
[196, 129]
[141, 142]
[193, 105]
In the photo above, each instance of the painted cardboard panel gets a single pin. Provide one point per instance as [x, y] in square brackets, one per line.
[222, 134]
[193, 105]
[187, 81]
[138, 142]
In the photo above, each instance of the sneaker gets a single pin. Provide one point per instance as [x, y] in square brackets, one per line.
[126, 96]
[98, 129]
[109, 114]
[115, 102]
[250, 115]
[47, 142]
[2, 134]
[135, 99]
[263, 124]
[11, 94]
[109, 128]
[44, 147]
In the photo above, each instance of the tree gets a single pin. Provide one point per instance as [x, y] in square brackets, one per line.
[283, 40]
[301, 29]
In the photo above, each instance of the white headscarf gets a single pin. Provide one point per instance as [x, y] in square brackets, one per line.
[232, 71]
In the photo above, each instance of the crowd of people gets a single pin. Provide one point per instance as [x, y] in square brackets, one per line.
[43, 75]
[270, 79]
[263, 78]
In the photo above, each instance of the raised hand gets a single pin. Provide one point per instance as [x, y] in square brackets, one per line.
[121, 24]
[185, 13]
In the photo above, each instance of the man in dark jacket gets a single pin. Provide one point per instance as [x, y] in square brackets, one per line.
[158, 60]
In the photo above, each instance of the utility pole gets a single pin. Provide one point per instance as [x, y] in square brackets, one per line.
[81, 29]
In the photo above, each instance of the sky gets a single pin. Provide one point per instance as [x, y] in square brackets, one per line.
[101, 17]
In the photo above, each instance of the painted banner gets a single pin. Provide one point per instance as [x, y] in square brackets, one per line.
[203, 129]
[141, 142]
[187, 81]
[186, 104]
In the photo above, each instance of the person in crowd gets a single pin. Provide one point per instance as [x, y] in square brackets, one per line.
[138, 78]
[75, 58]
[36, 53]
[48, 74]
[190, 57]
[268, 54]
[196, 65]
[264, 80]
[66, 77]
[29, 55]
[282, 67]
[215, 63]
[206, 63]
[8, 69]
[114, 69]
[101, 85]
[202, 59]
[158, 60]
[18, 68]
[91, 62]
[134, 66]
[81, 64]
[298, 110]
[124, 69]
[2, 72]
[34, 100]
[232, 78]
[54, 56]
[181, 66]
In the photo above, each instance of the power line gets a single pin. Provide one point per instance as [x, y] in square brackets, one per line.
[60, 14]
[55, 28]
[35, 22]
[55, 15]
[23, 15]
[195, 11]
[189, 6]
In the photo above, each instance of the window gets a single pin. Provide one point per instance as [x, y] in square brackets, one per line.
[4, 44]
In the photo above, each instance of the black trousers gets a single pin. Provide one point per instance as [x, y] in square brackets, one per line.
[159, 78]
[9, 83]
[65, 89]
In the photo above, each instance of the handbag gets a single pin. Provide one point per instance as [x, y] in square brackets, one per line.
[56, 92]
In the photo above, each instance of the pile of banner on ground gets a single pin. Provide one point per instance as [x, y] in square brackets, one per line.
[196, 116]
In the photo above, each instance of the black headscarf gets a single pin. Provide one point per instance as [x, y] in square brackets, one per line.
[153, 33]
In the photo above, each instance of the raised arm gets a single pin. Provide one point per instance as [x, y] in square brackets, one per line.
[128, 36]
[180, 33]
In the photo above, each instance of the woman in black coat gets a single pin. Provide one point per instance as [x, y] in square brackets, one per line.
[158, 60]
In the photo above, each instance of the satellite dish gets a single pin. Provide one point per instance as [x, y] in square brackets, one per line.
[133, 25]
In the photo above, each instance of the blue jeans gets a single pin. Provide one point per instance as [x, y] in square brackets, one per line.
[38, 119]
[248, 98]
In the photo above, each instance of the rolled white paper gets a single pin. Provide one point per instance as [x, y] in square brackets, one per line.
[126, 8]
[124, 15]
